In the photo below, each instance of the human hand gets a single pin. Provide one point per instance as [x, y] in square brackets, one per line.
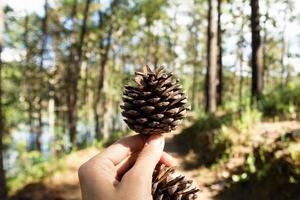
[123, 170]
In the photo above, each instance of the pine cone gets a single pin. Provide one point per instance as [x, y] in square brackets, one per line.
[167, 186]
[156, 105]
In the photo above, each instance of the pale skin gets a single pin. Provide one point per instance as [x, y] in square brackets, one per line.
[123, 170]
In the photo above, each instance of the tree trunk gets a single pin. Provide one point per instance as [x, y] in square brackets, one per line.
[115, 119]
[73, 76]
[241, 81]
[283, 51]
[3, 189]
[104, 58]
[99, 93]
[40, 126]
[107, 106]
[257, 65]
[85, 84]
[44, 34]
[40, 107]
[51, 119]
[220, 61]
[28, 78]
[265, 38]
[195, 66]
[30, 116]
[240, 55]
[194, 87]
[82, 35]
[97, 108]
[71, 106]
[212, 57]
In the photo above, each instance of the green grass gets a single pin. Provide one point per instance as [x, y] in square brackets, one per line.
[32, 167]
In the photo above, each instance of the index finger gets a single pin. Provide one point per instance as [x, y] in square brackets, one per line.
[122, 149]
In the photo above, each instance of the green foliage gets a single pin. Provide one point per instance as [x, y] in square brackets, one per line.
[13, 102]
[282, 101]
[32, 167]
[247, 118]
[269, 172]
[212, 137]
[206, 138]
[143, 32]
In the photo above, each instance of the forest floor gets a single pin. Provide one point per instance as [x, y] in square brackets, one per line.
[64, 185]
[212, 181]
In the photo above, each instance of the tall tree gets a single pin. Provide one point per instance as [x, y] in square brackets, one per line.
[265, 40]
[28, 76]
[240, 56]
[71, 77]
[212, 57]
[283, 49]
[105, 45]
[220, 61]
[41, 66]
[257, 54]
[3, 192]
[73, 69]
[196, 64]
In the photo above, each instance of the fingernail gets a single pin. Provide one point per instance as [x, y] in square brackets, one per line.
[155, 140]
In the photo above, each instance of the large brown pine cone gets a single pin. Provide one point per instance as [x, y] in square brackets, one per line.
[156, 104]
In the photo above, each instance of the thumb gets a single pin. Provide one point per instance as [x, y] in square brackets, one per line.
[149, 157]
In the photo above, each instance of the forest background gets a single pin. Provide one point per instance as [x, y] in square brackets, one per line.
[64, 63]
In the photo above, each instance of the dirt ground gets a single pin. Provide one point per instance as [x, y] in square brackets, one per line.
[65, 186]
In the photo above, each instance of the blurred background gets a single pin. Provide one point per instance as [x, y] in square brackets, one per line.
[64, 64]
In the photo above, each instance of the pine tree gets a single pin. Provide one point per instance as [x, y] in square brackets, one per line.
[212, 57]
[41, 66]
[257, 57]
[73, 69]
[3, 192]
[220, 85]
[105, 46]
